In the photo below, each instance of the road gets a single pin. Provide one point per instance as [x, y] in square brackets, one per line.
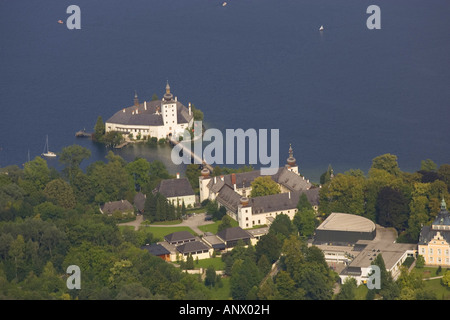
[192, 222]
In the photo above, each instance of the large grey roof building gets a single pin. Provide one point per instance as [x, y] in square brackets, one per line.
[160, 118]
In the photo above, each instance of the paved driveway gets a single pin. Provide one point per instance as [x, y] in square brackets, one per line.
[192, 222]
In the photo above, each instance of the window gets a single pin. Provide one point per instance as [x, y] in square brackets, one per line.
[431, 250]
[423, 250]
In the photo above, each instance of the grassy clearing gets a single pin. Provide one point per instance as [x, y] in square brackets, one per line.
[217, 263]
[222, 293]
[160, 232]
[214, 226]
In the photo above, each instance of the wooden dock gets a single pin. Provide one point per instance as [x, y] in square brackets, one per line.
[83, 134]
[123, 144]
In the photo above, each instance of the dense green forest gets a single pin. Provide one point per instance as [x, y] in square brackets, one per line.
[387, 195]
[50, 220]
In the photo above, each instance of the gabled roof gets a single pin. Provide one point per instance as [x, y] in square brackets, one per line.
[156, 249]
[192, 246]
[140, 116]
[274, 202]
[139, 201]
[291, 180]
[236, 233]
[121, 205]
[175, 188]
[179, 236]
[228, 198]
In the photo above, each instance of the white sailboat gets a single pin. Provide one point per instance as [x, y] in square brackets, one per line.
[47, 152]
[321, 28]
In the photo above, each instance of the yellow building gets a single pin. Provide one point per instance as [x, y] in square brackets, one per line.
[434, 240]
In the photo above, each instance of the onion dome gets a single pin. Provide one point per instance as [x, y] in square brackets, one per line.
[168, 96]
[244, 201]
[291, 160]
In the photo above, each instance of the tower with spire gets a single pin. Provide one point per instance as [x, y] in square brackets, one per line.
[291, 163]
[169, 110]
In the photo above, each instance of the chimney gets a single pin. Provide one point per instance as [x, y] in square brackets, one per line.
[221, 178]
[233, 178]
[215, 180]
[145, 105]
[137, 111]
[289, 195]
[124, 110]
[189, 108]
[176, 99]
[178, 175]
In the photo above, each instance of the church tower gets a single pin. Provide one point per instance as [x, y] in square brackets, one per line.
[291, 162]
[169, 110]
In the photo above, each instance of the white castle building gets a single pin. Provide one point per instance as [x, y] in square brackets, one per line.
[159, 118]
[233, 192]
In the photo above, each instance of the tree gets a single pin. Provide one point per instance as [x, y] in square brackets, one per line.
[60, 193]
[268, 246]
[387, 162]
[189, 262]
[71, 157]
[225, 223]
[17, 253]
[446, 278]
[343, 194]
[282, 227]
[139, 170]
[210, 278]
[305, 222]
[392, 209]
[264, 186]
[303, 203]
[428, 165]
[326, 176]
[444, 172]
[99, 130]
[155, 97]
[192, 173]
[348, 290]
[198, 114]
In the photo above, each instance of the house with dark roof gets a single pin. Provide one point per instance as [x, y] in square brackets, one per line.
[157, 250]
[197, 249]
[122, 206]
[434, 240]
[139, 202]
[177, 191]
[179, 237]
[231, 236]
[161, 118]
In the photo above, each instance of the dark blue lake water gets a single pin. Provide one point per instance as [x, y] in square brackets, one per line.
[343, 96]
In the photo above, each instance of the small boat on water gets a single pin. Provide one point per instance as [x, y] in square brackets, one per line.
[60, 21]
[47, 152]
[321, 28]
[224, 4]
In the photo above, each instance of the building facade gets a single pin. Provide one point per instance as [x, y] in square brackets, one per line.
[161, 118]
[434, 240]
[233, 192]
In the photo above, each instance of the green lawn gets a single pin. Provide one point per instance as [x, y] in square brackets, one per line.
[217, 263]
[160, 232]
[221, 293]
[214, 226]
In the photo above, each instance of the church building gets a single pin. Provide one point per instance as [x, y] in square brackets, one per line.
[161, 118]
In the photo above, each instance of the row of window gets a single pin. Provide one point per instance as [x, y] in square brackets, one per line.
[439, 251]
[439, 260]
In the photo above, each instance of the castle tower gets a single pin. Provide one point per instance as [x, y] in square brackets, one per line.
[204, 179]
[169, 111]
[291, 162]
